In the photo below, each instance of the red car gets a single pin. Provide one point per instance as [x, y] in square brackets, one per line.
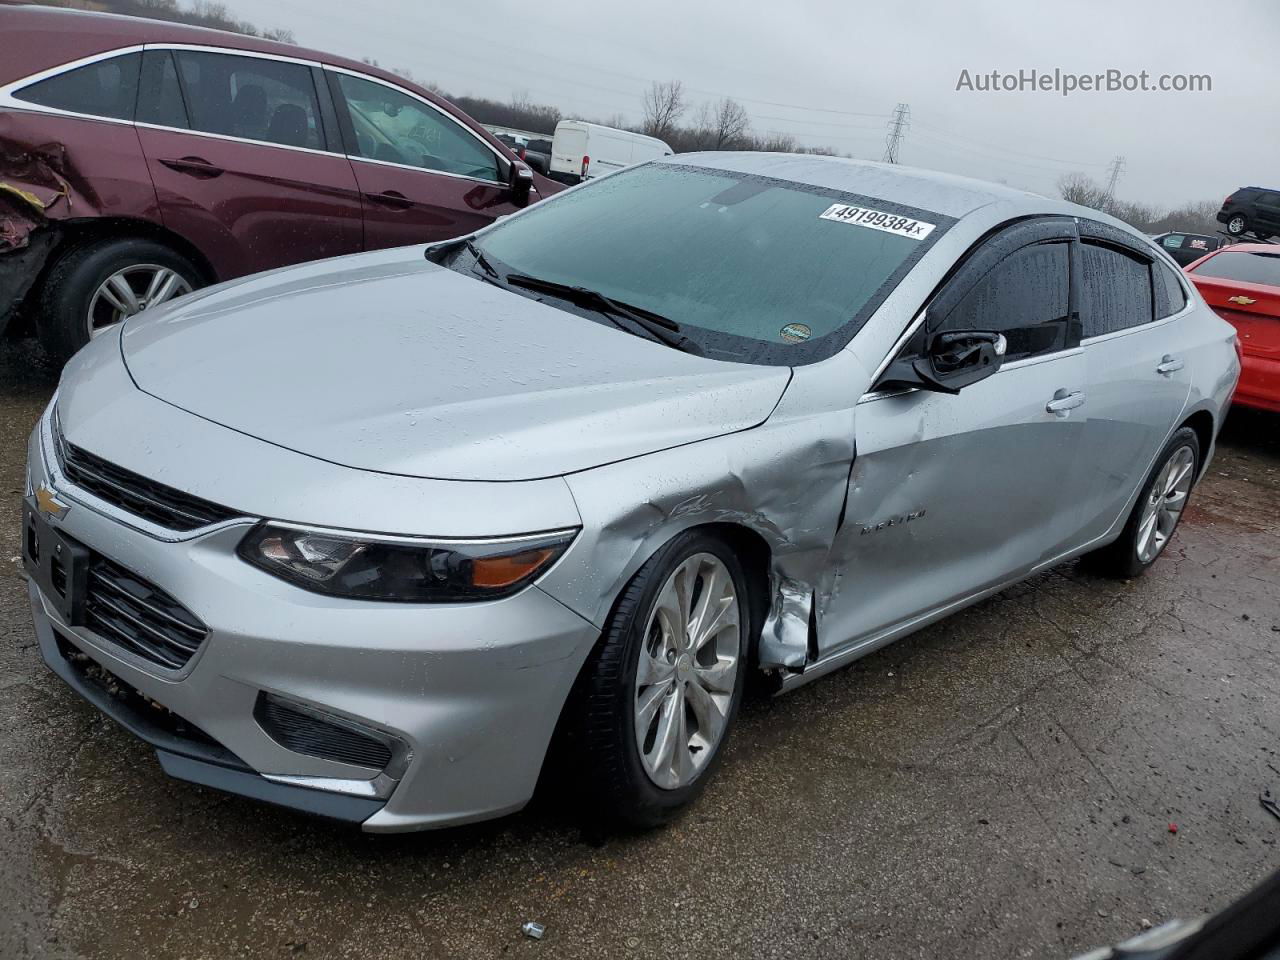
[1242, 283]
[141, 159]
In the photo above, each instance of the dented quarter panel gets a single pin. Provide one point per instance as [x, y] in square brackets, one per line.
[77, 167]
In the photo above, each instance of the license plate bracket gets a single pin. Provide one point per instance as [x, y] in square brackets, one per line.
[57, 563]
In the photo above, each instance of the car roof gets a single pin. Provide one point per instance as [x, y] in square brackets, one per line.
[944, 193]
[75, 34]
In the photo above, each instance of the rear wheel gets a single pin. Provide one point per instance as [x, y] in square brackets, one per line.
[94, 287]
[1237, 224]
[663, 688]
[1156, 514]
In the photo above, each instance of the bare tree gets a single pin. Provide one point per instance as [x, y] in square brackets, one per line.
[729, 124]
[663, 106]
[1078, 188]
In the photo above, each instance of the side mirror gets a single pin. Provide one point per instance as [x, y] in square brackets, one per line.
[520, 183]
[950, 361]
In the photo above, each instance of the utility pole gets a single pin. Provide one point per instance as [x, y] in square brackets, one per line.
[1116, 168]
[897, 130]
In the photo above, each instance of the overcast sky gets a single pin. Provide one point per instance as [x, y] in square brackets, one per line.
[829, 72]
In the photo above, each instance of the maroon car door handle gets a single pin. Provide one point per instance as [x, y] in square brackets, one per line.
[391, 198]
[194, 166]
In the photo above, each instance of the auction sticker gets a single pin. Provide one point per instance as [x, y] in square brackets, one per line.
[878, 220]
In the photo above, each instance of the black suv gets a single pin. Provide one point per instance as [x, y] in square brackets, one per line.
[1186, 248]
[1253, 210]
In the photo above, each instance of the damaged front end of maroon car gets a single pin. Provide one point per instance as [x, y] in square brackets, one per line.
[34, 191]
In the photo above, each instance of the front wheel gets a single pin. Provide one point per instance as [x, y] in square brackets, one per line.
[663, 687]
[1156, 514]
[1237, 225]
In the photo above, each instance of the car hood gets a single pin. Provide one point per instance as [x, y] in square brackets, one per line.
[388, 362]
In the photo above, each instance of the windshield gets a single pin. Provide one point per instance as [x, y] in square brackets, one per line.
[750, 268]
[1243, 267]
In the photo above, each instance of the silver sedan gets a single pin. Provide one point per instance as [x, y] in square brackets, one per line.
[365, 537]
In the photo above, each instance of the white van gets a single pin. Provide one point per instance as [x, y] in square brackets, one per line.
[582, 150]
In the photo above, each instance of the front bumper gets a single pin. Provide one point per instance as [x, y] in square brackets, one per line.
[474, 691]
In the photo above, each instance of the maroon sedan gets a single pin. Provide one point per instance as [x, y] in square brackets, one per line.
[141, 159]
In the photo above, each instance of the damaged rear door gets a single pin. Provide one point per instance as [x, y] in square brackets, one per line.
[952, 494]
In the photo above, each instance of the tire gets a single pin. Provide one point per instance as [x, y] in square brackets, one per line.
[72, 286]
[1237, 225]
[625, 779]
[1132, 553]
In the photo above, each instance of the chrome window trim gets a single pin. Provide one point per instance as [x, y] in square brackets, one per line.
[328, 68]
[230, 138]
[440, 173]
[1150, 325]
[8, 100]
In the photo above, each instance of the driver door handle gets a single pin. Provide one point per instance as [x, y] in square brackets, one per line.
[1063, 403]
[1169, 365]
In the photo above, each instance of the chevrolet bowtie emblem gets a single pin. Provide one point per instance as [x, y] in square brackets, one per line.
[1242, 300]
[49, 503]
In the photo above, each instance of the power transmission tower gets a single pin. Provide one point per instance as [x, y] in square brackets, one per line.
[1117, 168]
[897, 130]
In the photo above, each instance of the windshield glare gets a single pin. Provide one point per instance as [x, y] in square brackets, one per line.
[745, 264]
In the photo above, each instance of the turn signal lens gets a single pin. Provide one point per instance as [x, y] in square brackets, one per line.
[499, 572]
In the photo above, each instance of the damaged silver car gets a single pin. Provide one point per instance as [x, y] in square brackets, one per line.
[361, 537]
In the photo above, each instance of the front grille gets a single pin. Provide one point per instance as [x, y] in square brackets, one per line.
[125, 609]
[129, 491]
[304, 732]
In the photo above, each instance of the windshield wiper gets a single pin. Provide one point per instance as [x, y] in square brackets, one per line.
[655, 325]
[481, 260]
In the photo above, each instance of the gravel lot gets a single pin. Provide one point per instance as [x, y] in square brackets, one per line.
[1001, 784]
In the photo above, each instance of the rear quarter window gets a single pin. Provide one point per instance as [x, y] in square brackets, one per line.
[1243, 267]
[107, 88]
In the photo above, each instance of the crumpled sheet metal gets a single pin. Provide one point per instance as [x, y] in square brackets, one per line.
[785, 481]
[33, 190]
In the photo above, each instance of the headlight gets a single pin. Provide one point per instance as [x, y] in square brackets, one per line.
[391, 568]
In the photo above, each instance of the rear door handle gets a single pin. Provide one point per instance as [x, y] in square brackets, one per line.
[391, 198]
[193, 166]
[1169, 365]
[1063, 403]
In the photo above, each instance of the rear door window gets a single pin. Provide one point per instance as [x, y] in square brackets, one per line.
[107, 88]
[1026, 296]
[1115, 289]
[253, 98]
[1243, 267]
[394, 127]
[159, 95]
[1173, 241]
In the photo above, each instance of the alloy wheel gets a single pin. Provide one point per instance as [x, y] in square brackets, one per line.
[129, 291]
[1236, 224]
[1165, 503]
[687, 671]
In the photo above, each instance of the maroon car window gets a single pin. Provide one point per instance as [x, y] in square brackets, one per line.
[1116, 290]
[396, 128]
[1243, 267]
[251, 97]
[159, 96]
[108, 88]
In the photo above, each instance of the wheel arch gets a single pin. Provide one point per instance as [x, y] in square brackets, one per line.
[75, 234]
[1205, 427]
